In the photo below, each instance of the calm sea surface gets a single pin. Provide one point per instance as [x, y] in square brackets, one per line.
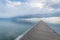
[10, 30]
[55, 27]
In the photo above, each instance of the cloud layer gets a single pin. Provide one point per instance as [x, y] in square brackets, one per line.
[53, 20]
[10, 8]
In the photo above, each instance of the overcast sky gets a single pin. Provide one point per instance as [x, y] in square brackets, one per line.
[10, 8]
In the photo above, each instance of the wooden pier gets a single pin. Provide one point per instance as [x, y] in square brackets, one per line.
[41, 31]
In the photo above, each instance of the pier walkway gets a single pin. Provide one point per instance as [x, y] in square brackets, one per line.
[41, 31]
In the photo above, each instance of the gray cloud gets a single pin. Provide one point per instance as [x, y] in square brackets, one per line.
[55, 6]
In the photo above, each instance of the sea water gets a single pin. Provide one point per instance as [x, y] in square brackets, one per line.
[55, 27]
[10, 30]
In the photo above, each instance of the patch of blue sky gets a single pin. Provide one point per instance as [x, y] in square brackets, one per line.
[3, 1]
[18, 0]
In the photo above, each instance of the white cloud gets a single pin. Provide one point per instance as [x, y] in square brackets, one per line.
[55, 1]
[38, 5]
[41, 6]
[12, 4]
[55, 20]
[29, 7]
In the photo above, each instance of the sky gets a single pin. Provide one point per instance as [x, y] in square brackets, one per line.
[11, 8]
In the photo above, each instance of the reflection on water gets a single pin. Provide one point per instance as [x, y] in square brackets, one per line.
[10, 30]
